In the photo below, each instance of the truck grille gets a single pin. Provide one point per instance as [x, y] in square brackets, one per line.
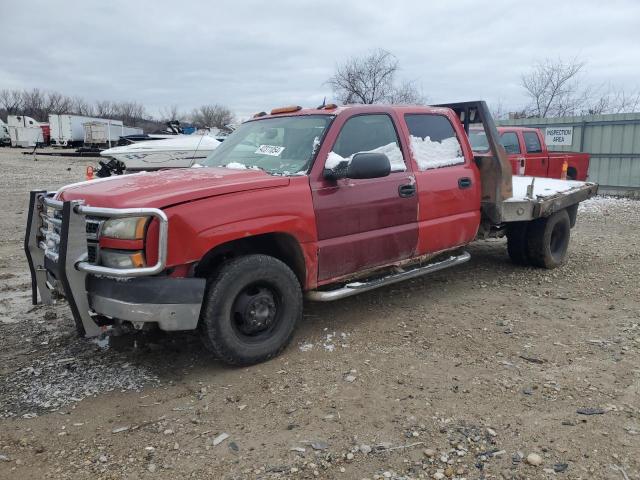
[50, 234]
[92, 228]
[92, 252]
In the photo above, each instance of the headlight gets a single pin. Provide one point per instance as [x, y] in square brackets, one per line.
[121, 258]
[127, 228]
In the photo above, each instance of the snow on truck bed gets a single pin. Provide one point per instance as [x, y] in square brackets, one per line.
[542, 187]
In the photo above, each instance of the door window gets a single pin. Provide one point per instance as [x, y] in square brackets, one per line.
[367, 133]
[532, 142]
[434, 143]
[509, 141]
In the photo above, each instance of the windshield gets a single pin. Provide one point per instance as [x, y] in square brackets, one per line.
[280, 146]
[478, 140]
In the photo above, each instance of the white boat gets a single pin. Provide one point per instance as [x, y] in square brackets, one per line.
[181, 151]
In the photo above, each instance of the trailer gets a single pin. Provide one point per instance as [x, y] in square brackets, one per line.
[25, 131]
[5, 139]
[107, 134]
[68, 130]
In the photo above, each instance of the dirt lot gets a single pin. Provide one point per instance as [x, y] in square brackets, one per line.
[462, 374]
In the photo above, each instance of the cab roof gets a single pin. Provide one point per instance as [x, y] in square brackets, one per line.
[355, 108]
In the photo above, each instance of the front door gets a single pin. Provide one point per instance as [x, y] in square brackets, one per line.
[537, 159]
[367, 222]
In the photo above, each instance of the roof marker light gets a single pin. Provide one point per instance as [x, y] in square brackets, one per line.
[289, 109]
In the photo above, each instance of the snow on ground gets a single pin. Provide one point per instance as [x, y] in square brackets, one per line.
[330, 342]
[430, 154]
[605, 205]
[391, 150]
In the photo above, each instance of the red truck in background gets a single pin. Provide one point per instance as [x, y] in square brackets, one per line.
[325, 203]
[529, 155]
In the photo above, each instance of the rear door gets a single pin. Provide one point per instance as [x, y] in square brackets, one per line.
[511, 144]
[448, 182]
[365, 223]
[537, 158]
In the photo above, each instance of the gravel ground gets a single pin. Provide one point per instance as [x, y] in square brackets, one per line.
[483, 371]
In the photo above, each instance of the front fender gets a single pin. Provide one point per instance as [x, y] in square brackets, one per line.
[197, 227]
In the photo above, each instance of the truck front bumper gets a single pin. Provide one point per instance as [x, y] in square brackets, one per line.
[58, 244]
[171, 303]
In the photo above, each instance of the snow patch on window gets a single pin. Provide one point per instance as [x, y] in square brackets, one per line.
[430, 154]
[391, 150]
[333, 160]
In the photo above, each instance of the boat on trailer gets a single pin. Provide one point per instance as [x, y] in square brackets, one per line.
[181, 151]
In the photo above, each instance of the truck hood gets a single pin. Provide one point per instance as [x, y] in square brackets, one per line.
[167, 187]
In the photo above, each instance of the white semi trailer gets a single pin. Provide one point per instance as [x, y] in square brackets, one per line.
[69, 130]
[24, 131]
[100, 134]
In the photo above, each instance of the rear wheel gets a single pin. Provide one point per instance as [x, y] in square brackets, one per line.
[517, 243]
[548, 240]
[251, 308]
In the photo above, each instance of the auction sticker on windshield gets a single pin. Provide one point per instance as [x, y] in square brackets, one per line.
[272, 150]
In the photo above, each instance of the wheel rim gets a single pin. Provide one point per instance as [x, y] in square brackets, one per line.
[255, 312]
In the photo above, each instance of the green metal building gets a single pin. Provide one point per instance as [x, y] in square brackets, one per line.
[612, 140]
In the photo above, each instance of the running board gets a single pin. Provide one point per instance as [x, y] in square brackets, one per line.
[355, 288]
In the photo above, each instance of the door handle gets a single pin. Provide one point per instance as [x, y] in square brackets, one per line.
[407, 190]
[464, 182]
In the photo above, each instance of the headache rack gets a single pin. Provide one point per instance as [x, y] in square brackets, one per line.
[62, 246]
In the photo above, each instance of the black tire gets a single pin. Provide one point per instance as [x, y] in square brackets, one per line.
[549, 240]
[251, 308]
[517, 247]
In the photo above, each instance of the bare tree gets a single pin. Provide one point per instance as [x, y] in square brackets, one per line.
[214, 116]
[131, 113]
[34, 104]
[104, 109]
[371, 79]
[406, 93]
[172, 112]
[553, 89]
[79, 106]
[615, 101]
[57, 103]
[11, 101]
[498, 111]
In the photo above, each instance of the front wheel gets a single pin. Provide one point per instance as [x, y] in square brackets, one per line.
[251, 308]
[548, 240]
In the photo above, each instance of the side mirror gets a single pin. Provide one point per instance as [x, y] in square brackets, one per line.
[369, 165]
[362, 165]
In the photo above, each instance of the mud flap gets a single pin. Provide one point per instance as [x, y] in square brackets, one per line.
[73, 248]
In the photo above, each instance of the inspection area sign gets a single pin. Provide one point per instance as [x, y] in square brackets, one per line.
[558, 135]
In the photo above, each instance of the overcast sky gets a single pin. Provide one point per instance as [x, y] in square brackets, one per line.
[254, 55]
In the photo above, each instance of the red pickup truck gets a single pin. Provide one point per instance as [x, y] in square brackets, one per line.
[326, 202]
[529, 155]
